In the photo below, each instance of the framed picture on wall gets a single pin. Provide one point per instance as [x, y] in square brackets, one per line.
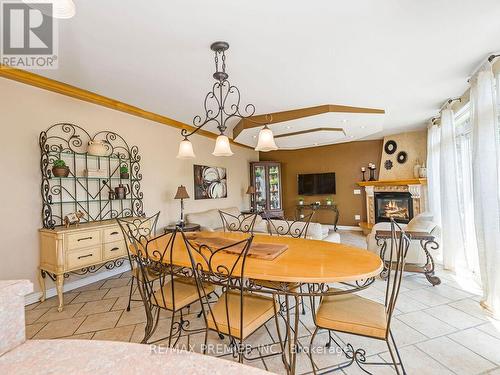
[209, 182]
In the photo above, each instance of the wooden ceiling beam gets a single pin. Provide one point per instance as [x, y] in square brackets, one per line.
[314, 130]
[45, 83]
[294, 114]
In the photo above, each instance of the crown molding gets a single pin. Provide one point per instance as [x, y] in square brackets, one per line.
[45, 83]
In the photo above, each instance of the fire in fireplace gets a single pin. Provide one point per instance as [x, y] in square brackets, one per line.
[397, 205]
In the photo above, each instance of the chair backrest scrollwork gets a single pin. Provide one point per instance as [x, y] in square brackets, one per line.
[291, 228]
[238, 223]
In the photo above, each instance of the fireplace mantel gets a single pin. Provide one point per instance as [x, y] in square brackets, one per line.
[412, 181]
[417, 187]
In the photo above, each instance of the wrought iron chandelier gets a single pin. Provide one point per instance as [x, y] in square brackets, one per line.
[221, 105]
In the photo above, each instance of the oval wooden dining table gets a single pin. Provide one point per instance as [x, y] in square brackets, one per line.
[304, 261]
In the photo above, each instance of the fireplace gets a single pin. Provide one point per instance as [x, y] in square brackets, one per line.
[398, 205]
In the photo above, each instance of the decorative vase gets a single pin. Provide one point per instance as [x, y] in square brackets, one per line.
[97, 148]
[416, 170]
[422, 172]
[60, 171]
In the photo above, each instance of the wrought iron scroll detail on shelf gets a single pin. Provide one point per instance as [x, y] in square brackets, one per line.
[69, 142]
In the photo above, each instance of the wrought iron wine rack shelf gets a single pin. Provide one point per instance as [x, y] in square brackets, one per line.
[77, 192]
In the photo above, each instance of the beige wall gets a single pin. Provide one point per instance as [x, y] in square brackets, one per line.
[415, 145]
[26, 111]
[345, 159]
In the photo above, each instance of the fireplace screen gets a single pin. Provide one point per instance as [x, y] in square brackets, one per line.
[396, 205]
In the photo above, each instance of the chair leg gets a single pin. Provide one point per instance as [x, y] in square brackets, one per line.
[397, 353]
[310, 350]
[393, 357]
[130, 293]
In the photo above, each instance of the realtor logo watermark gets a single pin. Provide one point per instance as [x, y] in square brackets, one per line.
[29, 35]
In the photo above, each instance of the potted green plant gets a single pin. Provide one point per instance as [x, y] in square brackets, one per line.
[124, 172]
[301, 200]
[59, 168]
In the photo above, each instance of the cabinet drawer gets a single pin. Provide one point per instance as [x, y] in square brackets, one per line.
[84, 257]
[112, 234]
[82, 239]
[114, 249]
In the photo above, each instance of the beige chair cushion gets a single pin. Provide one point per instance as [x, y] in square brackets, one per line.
[257, 310]
[185, 293]
[352, 314]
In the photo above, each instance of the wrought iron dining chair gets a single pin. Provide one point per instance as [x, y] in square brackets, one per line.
[145, 226]
[238, 223]
[353, 314]
[290, 228]
[287, 228]
[238, 313]
[172, 288]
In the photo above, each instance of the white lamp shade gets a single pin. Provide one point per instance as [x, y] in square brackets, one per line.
[185, 150]
[266, 140]
[222, 146]
[62, 9]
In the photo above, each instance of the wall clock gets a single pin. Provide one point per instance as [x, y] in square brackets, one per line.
[388, 164]
[390, 147]
[402, 157]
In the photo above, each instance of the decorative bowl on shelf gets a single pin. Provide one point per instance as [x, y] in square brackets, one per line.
[97, 148]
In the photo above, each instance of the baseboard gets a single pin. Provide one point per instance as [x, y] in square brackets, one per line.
[349, 227]
[78, 283]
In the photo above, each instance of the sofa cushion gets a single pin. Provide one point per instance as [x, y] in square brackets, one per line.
[206, 219]
[211, 220]
[421, 223]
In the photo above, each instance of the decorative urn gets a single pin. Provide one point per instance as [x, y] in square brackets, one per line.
[97, 148]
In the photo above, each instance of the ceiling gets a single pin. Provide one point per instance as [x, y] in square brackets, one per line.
[403, 56]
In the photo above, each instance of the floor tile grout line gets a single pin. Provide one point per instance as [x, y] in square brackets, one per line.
[473, 351]
[442, 364]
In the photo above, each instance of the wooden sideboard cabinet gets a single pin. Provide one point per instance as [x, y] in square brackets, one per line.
[80, 250]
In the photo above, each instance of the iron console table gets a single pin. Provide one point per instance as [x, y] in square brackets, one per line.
[333, 207]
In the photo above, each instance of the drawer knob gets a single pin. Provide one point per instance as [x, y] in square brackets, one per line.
[85, 238]
[114, 249]
[85, 256]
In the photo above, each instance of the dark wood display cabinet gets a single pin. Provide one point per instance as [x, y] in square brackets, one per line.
[265, 176]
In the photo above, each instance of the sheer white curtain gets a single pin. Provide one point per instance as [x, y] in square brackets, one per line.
[451, 223]
[433, 172]
[486, 189]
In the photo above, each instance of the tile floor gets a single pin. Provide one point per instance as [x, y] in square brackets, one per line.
[439, 330]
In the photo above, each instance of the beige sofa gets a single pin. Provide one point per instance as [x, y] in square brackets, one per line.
[211, 221]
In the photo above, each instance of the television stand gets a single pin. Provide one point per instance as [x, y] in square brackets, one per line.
[313, 207]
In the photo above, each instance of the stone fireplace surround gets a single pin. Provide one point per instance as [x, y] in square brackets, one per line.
[416, 187]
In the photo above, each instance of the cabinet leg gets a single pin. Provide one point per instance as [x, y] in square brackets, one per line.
[41, 281]
[59, 287]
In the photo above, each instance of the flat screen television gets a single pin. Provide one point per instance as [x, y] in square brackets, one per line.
[316, 183]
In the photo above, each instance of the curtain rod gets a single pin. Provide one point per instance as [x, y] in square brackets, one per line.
[490, 59]
[448, 102]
